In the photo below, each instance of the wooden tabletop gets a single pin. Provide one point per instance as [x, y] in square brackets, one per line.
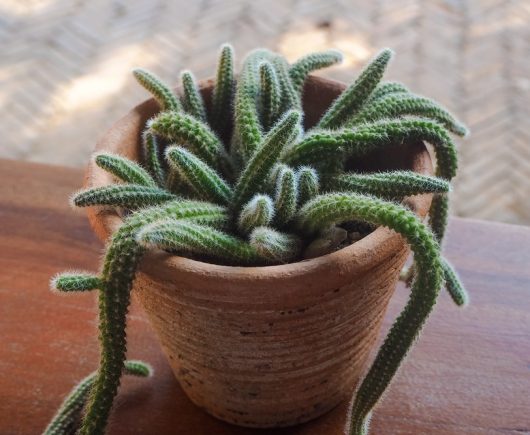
[469, 373]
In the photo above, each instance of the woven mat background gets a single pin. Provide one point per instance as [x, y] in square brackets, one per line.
[65, 70]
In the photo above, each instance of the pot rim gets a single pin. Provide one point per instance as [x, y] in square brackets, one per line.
[360, 256]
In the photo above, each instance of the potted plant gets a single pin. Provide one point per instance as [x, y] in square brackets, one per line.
[263, 222]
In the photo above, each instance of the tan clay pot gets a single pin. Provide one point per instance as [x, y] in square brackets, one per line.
[267, 346]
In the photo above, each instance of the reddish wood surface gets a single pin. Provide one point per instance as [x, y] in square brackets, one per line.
[469, 373]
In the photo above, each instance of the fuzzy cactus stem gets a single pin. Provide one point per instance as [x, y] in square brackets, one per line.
[223, 93]
[351, 100]
[162, 94]
[68, 416]
[325, 210]
[312, 62]
[124, 169]
[192, 98]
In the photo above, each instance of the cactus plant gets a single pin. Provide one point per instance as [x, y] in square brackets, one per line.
[242, 183]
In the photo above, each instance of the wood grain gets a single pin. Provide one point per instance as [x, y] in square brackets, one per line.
[469, 373]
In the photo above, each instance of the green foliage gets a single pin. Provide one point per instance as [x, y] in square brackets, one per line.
[329, 209]
[152, 158]
[189, 238]
[398, 105]
[131, 196]
[253, 176]
[161, 93]
[192, 98]
[124, 169]
[243, 184]
[356, 142]
[454, 285]
[286, 196]
[258, 212]
[68, 416]
[75, 282]
[391, 185]
[308, 184]
[274, 246]
[349, 102]
[271, 96]
[223, 93]
[203, 180]
[185, 129]
[299, 71]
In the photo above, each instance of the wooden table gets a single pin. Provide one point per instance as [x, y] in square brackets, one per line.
[469, 373]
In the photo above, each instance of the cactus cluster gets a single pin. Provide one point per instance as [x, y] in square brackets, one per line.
[242, 183]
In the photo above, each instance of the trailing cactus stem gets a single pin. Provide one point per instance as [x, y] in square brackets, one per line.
[325, 210]
[121, 260]
[247, 126]
[286, 197]
[308, 184]
[68, 416]
[359, 141]
[438, 215]
[386, 88]
[454, 285]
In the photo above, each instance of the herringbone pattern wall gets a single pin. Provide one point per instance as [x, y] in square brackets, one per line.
[64, 70]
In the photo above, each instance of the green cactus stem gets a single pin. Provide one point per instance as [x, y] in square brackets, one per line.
[152, 158]
[352, 99]
[192, 98]
[271, 96]
[275, 246]
[204, 181]
[122, 195]
[67, 418]
[75, 282]
[124, 170]
[189, 238]
[162, 94]
[391, 185]
[299, 70]
[285, 197]
[223, 93]
[325, 210]
[397, 105]
[258, 212]
[185, 129]
[253, 176]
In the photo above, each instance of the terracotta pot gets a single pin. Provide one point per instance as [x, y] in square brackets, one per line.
[267, 346]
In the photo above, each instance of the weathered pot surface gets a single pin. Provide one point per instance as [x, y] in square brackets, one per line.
[267, 346]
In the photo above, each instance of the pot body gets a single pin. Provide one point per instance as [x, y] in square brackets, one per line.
[273, 352]
[268, 346]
